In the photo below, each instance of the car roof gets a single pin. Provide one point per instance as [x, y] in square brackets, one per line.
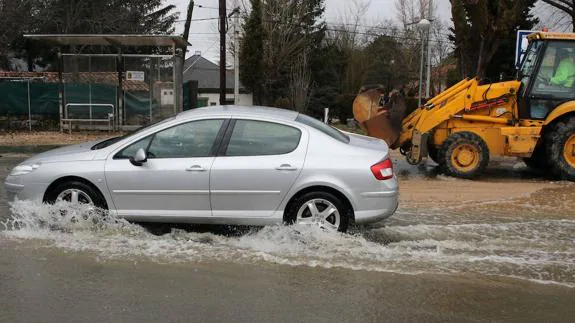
[236, 110]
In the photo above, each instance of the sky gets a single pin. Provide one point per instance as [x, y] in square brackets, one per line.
[204, 34]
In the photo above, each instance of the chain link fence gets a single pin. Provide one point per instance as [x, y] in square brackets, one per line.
[94, 94]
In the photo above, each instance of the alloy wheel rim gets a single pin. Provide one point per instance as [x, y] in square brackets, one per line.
[320, 212]
[75, 196]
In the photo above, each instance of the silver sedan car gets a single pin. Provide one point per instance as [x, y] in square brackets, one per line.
[222, 165]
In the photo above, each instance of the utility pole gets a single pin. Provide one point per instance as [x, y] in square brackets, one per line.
[237, 54]
[428, 81]
[223, 30]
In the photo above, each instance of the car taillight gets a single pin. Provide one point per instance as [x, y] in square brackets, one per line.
[383, 170]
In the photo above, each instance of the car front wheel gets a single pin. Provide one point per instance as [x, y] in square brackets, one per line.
[76, 192]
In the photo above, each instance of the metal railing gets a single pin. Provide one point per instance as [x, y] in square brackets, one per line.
[69, 120]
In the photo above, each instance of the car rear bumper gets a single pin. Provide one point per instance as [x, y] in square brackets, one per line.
[376, 206]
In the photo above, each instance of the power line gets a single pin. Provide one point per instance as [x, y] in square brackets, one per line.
[384, 35]
[392, 28]
[202, 19]
[205, 7]
[201, 6]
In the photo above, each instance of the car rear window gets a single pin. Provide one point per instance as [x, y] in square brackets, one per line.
[318, 125]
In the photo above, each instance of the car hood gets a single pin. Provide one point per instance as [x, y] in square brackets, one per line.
[76, 152]
[368, 143]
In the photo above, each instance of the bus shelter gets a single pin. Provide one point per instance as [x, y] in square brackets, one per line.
[117, 82]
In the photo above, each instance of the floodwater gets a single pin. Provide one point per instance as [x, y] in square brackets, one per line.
[470, 258]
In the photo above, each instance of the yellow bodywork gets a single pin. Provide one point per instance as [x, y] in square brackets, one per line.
[561, 110]
[460, 109]
[551, 36]
[490, 111]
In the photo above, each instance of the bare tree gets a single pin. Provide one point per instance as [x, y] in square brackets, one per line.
[566, 11]
[410, 11]
[284, 40]
[347, 36]
[299, 83]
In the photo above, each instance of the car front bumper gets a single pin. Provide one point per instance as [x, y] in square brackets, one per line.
[17, 188]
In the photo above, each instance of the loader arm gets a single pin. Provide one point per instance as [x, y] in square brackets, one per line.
[466, 100]
[437, 110]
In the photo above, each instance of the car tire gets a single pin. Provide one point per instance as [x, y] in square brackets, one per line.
[299, 211]
[464, 155]
[561, 149]
[85, 194]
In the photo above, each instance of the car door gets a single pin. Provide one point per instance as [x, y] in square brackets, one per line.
[256, 166]
[174, 180]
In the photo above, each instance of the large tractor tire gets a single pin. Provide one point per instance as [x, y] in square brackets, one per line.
[538, 160]
[433, 153]
[463, 155]
[560, 146]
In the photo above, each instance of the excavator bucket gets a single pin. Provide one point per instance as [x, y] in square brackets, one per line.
[380, 114]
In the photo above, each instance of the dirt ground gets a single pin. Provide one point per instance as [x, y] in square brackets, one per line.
[446, 190]
[50, 138]
[416, 187]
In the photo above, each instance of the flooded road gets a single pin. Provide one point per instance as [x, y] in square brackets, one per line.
[497, 249]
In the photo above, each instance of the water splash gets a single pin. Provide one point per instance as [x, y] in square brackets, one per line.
[539, 250]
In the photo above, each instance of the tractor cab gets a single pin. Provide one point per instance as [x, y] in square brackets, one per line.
[547, 74]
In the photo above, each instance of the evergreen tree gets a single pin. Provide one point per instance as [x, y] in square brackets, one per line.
[280, 38]
[77, 17]
[484, 34]
[251, 52]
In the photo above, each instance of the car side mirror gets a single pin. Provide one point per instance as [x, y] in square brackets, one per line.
[139, 157]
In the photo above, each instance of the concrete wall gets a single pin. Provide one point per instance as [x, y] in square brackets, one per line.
[214, 98]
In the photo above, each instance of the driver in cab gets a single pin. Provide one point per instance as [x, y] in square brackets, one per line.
[565, 72]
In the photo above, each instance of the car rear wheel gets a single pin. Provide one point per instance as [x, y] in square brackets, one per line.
[76, 192]
[321, 209]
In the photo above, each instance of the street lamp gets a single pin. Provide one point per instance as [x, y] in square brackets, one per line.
[423, 26]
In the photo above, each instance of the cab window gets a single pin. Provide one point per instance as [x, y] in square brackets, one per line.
[554, 82]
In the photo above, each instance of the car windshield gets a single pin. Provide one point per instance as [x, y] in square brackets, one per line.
[111, 141]
[318, 125]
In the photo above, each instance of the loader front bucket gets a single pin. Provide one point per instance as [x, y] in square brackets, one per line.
[380, 114]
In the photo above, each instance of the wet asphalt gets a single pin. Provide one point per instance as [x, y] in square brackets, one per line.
[511, 261]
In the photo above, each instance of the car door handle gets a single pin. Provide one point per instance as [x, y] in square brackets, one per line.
[195, 168]
[286, 167]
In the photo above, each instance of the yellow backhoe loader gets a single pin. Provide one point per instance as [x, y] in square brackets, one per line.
[532, 117]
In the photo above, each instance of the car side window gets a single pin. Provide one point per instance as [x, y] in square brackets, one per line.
[131, 149]
[258, 138]
[192, 139]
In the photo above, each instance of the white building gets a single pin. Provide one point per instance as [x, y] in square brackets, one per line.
[207, 74]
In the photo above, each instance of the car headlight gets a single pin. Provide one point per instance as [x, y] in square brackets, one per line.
[24, 169]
